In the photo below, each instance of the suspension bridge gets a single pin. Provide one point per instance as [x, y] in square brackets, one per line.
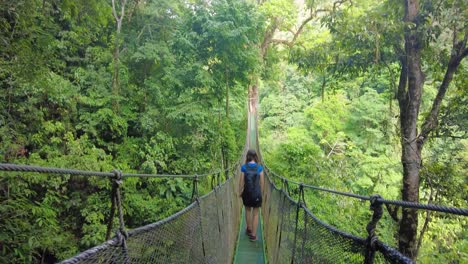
[212, 228]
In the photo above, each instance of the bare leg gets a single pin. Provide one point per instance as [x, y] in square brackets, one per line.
[254, 221]
[248, 217]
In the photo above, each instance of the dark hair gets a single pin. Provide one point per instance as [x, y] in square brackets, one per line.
[251, 155]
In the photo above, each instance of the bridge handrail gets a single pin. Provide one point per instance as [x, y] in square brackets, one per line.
[116, 241]
[430, 207]
[327, 226]
[39, 169]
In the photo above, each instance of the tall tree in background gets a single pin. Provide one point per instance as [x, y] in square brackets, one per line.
[433, 34]
[286, 22]
[410, 90]
[409, 98]
[118, 11]
[229, 49]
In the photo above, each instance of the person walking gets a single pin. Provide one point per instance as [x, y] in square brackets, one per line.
[251, 184]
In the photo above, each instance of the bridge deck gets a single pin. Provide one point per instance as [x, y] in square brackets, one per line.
[247, 251]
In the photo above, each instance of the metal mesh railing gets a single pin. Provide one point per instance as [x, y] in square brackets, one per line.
[203, 232]
[173, 240]
[292, 232]
[295, 235]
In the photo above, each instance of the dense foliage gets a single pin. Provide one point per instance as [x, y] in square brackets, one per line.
[331, 116]
[176, 106]
[161, 86]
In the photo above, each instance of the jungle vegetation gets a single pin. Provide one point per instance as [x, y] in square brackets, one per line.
[365, 96]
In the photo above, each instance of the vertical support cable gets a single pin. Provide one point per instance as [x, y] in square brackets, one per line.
[376, 206]
[213, 178]
[110, 223]
[304, 237]
[121, 234]
[195, 188]
[197, 199]
[279, 227]
[217, 210]
[228, 175]
[299, 204]
[268, 234]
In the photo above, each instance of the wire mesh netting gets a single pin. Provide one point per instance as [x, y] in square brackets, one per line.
[204, 232]
[294, 235]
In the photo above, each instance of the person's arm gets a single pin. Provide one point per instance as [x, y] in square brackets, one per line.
[241, 183]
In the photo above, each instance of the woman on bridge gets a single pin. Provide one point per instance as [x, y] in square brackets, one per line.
[251, 189]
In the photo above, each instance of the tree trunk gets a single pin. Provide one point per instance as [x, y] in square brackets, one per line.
[253, 97]
[227, 95]
[322, 89]
[225, 164]
[226, 149]
[221, 139]
[115, 76]
[409, 97]
[116, 54]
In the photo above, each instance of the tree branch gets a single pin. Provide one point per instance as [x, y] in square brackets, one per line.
[393, 212]
[297, 33]
[428, 217]
[122, 12]
[450, 136]
[339, 3]
[122, 9]
[459, 51]
[312, 14]
[268, 36]
[114, 12]
[282, 41]
[132, 10]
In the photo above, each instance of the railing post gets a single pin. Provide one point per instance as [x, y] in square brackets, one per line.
[376, 206]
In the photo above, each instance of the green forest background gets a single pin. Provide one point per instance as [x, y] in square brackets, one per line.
[161, 86]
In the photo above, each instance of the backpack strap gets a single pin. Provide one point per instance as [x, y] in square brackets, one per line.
[248, 168]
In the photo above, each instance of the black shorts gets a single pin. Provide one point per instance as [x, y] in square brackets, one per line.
[250, 201]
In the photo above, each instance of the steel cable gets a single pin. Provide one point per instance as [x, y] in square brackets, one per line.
[406, 204]
[31, 168]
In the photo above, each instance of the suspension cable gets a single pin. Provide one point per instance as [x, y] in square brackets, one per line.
[39, 169]
[406, 204]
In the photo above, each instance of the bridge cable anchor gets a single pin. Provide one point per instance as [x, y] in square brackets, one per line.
[372, 238]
